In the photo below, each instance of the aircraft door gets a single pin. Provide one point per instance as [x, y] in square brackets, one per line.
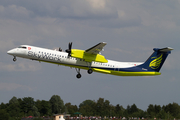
[116, 67]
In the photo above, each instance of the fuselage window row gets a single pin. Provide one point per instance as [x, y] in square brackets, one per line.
[109, 65]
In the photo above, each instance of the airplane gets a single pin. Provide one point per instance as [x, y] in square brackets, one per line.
[92, 60]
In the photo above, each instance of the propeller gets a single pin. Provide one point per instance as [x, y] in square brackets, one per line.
[69, 49]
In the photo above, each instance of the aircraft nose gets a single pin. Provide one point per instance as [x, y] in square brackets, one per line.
[11, 52]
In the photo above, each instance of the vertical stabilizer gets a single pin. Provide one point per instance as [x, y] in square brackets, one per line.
[156, 60]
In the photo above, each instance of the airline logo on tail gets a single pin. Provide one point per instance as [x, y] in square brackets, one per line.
[156, 62]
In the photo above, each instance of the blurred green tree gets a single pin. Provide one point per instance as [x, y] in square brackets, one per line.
[57, 104]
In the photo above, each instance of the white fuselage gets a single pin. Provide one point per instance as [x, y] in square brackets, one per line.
[58, 57]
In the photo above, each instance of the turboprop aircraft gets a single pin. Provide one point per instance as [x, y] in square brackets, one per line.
[92, 61]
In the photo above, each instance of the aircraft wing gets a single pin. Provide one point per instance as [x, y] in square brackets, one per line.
[96, 49]
[91, 54]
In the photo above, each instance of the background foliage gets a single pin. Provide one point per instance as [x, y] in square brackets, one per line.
[17, 108]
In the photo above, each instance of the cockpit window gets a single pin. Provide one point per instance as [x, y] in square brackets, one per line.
[22, 47]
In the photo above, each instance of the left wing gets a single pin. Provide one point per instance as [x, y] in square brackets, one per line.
[96, 49]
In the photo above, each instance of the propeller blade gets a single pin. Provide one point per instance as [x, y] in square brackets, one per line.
[70, 45]
[69, 49]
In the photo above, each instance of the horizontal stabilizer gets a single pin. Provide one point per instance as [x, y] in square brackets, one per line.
[167, 49]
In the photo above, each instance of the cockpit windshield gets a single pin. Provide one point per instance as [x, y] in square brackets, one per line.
[22, 47]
